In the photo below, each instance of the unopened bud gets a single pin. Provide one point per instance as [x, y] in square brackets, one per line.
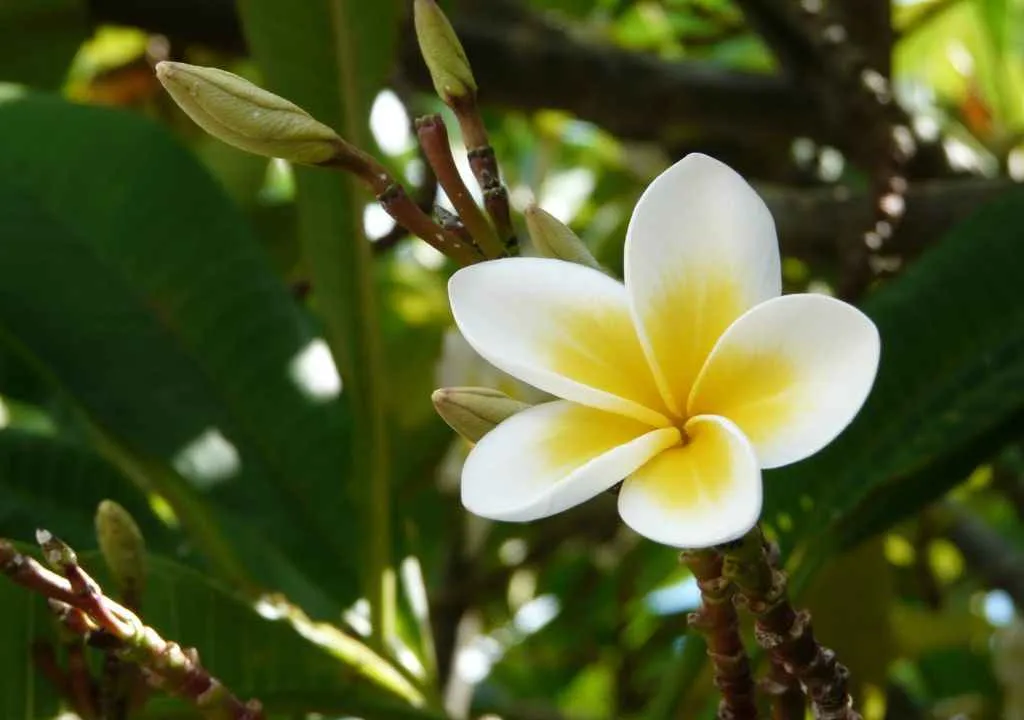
[123, 547]
[473, 412]
[56, 552]
[554, 239]
[442, 51]
[234, 110]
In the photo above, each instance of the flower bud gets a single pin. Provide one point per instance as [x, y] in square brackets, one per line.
[122, 546]
[234, 110]
[473, 412]
[554, 239]
[57, 553]
[442, 51]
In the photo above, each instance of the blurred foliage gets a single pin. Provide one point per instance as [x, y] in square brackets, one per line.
[160, 345]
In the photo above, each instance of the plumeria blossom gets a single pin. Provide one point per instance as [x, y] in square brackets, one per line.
[685, 382]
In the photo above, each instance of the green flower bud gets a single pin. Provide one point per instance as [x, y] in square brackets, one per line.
[234, 110]
[554, 239]
[473, 412]
[122, 546]
[442, 51]
[57, 553]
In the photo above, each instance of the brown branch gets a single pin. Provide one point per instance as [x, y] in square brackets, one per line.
[523, 62]
[869, 25]
[484, 164]
[716, 619]
[785, 632]
[528, 64]
[988, 555]
[397, 203]
[783, 690]
[85, 611]
[433, 137]
[423, 195]
[808, 220]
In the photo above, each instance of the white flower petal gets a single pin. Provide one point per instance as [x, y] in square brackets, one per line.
[791, 373]
[560, 327]
[553, 456]
[701, 494]
[700, 251]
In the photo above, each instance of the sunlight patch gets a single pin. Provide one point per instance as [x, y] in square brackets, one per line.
[389, 123]
[208, 460]
[376, 222]
[998, 608]
[563, 193]
[314, 371]
[536, 614]
[682, 596]
[475, 660]
[427, 256]
[415, 587]
[358, 617]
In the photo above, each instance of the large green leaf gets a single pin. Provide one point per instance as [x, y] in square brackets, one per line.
[950, 389]
[18, 381]
[129, 280]
[24, 693]
[331, 58]
[45, 481]
[256, 657]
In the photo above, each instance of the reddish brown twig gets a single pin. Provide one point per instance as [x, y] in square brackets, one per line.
[784, 632]
[783, 690]
[485, 167]
[452, 223]
[716, 619]
[423, 195]
[433, 137]
[397, 203]
[84, 611]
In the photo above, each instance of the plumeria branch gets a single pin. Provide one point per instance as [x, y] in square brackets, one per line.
[248, 117]
[784, 632]
[85, 612]
[484, 165]
[454, 83]
[433, 137]
[394, 199]
[787, 698]
[717, 620]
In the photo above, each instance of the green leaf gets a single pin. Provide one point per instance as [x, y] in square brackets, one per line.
[38, 40]
[331, 58]
[24, 693]
[18, 381]
[48, 482]
[950, 390]
[129, 280]
[269, 659]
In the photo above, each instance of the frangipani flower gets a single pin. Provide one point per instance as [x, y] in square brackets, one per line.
[684, 382]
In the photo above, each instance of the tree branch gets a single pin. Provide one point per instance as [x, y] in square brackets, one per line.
[809, 220]
[869, 23]
[994, 560]
[524, 62]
